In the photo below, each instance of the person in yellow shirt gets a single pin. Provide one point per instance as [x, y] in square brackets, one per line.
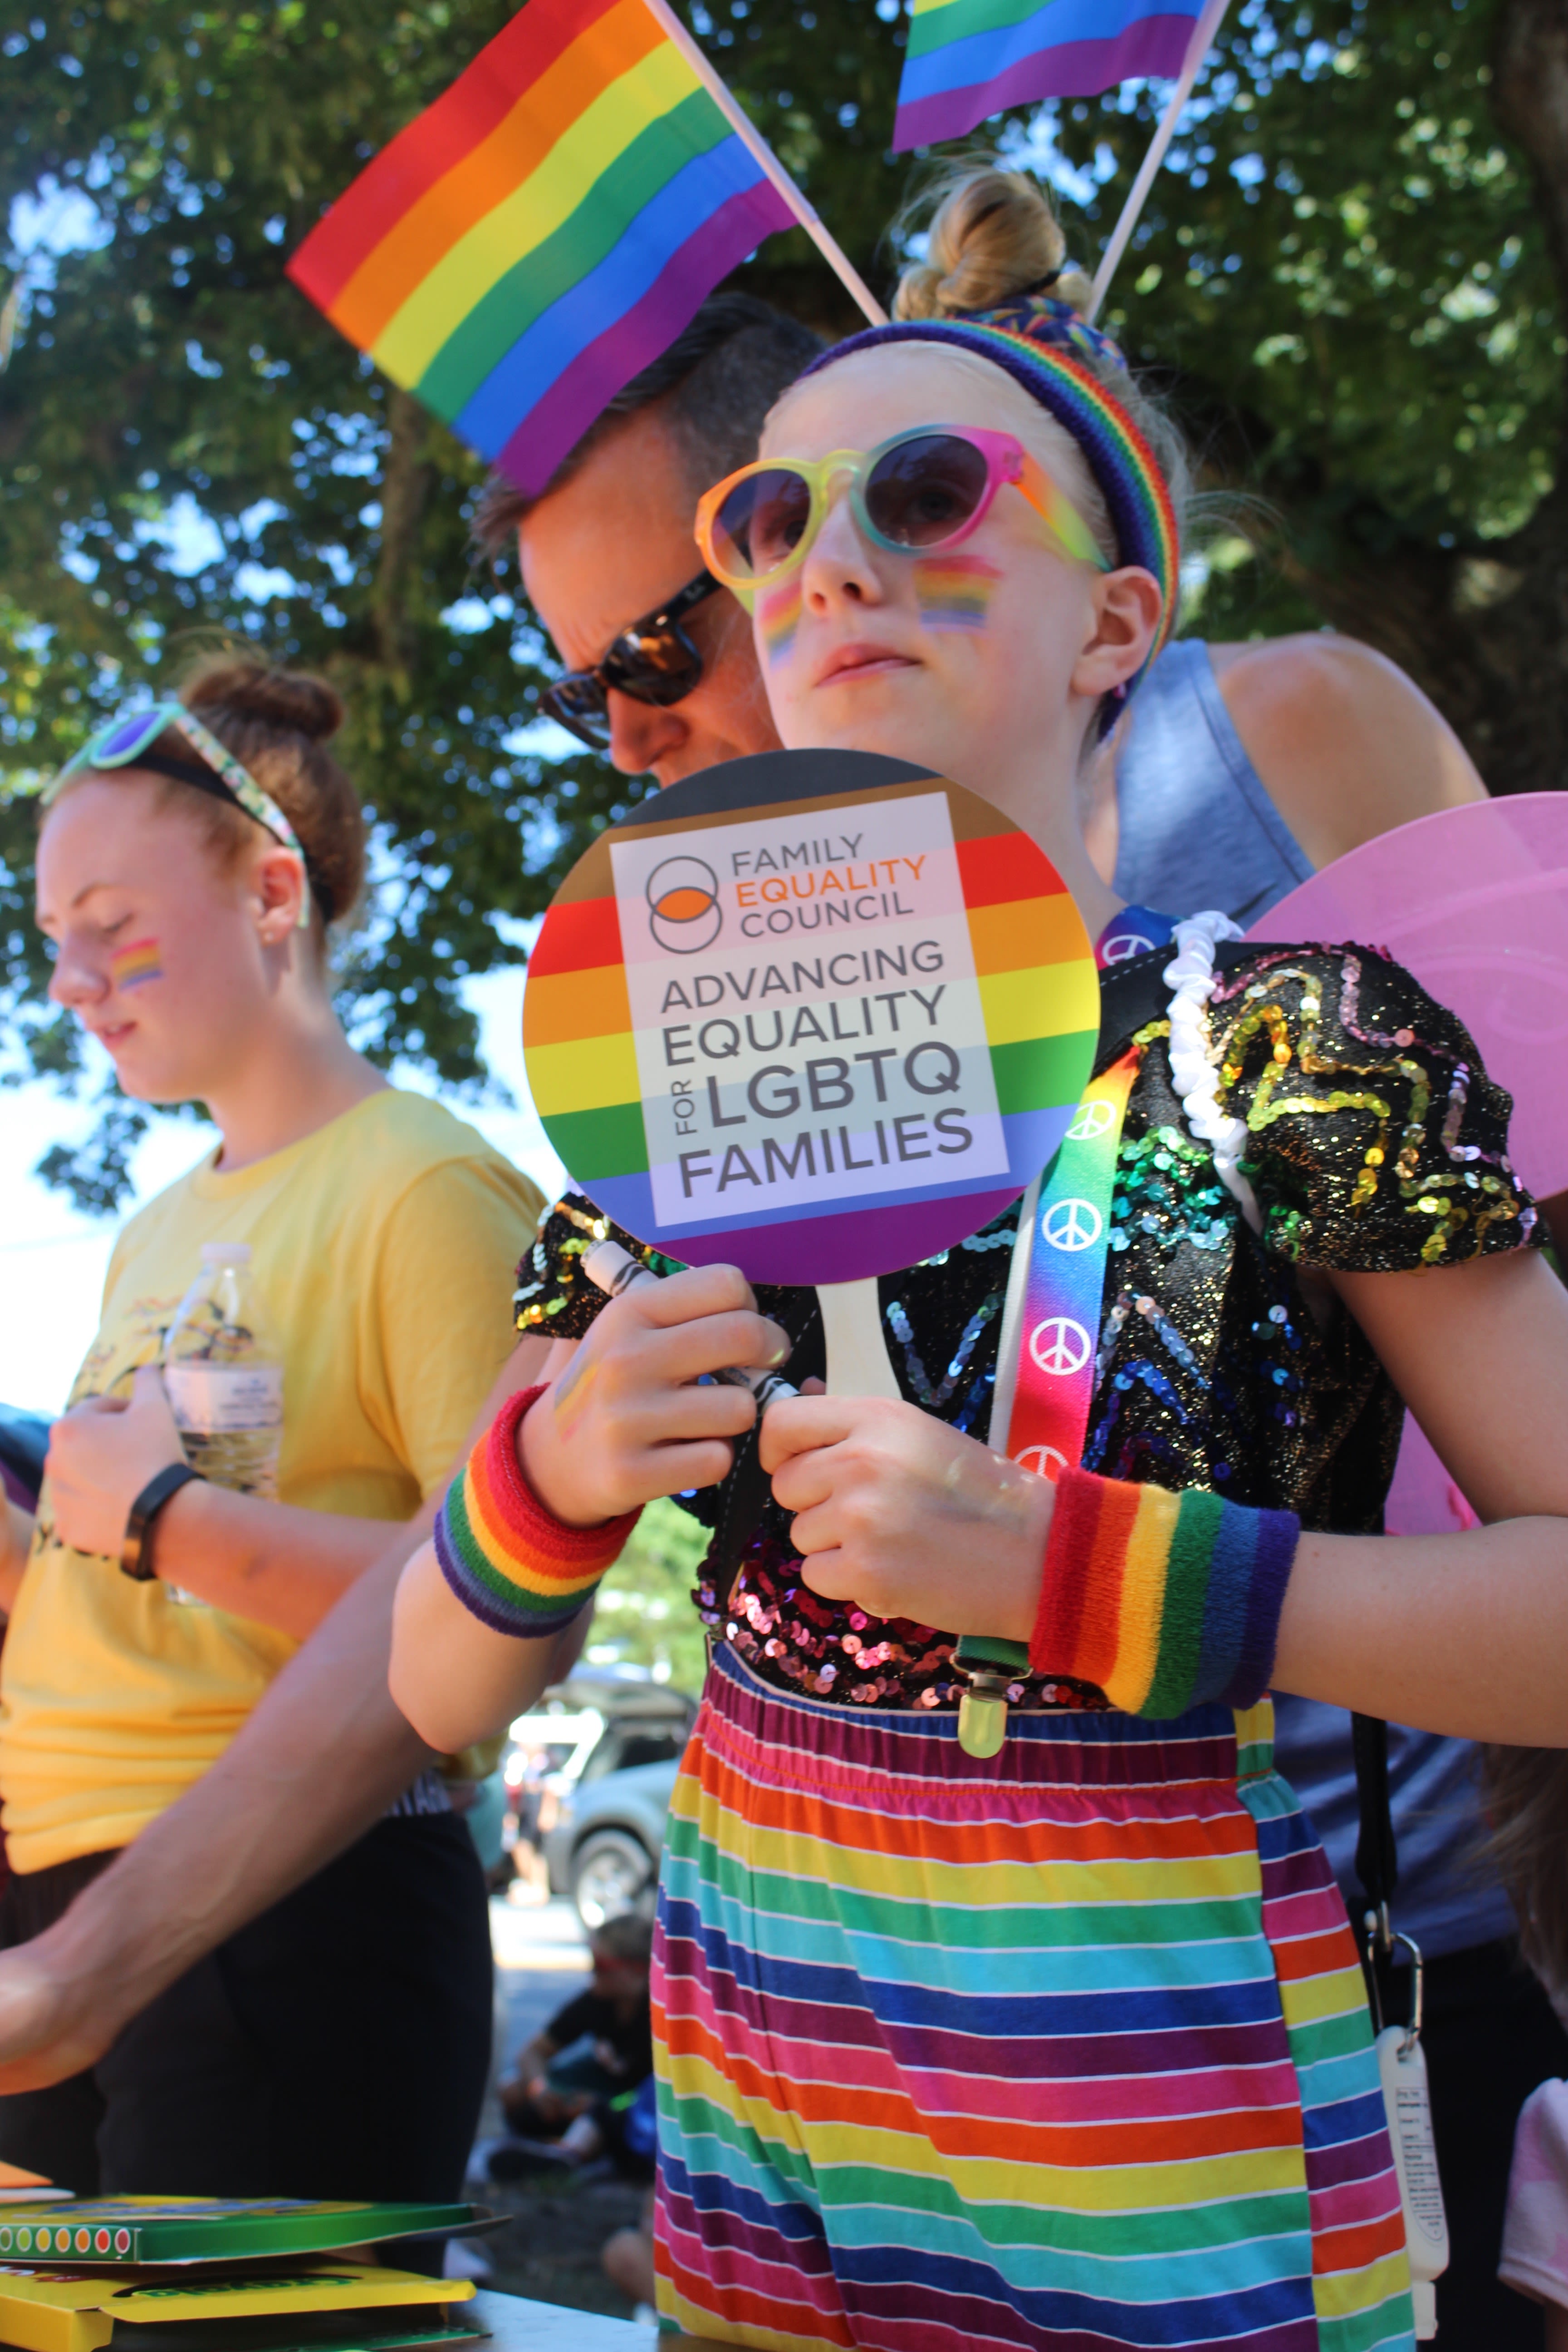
[189, 865]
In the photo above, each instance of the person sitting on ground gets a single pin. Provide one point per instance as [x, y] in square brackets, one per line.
[556, 2079]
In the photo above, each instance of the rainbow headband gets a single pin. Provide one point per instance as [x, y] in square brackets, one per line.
[1136, 494]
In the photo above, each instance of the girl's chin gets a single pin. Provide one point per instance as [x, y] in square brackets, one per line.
[899, 726]
[140, 1078]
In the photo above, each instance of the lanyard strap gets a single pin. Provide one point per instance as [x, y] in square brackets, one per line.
[1063, 1247]
[1055, 1283]
[1050, 1321]
[1045, 1363]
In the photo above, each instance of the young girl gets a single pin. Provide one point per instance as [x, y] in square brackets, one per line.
[189, 865]
[1068, 2046]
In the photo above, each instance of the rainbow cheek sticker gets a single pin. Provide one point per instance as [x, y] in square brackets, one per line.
[818, 1034]
[779, 617]
[954, 591]
[132, 967]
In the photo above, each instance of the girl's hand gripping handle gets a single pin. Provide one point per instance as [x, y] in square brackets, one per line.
[612, 1269]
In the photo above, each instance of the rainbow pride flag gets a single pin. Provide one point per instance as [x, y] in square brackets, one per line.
[543, 231]
[970, 58]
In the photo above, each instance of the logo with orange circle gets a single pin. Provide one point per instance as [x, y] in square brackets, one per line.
[684, 913]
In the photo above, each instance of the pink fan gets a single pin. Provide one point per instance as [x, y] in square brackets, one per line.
[1474, 901]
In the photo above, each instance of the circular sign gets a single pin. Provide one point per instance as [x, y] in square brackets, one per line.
[819, 1015]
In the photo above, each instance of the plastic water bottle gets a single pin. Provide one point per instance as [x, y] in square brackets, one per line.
[224, 1375]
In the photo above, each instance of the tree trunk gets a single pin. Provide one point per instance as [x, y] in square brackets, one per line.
[405, 485]
[1484, 629]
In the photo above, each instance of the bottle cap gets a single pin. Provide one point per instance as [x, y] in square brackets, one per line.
[226, 1253]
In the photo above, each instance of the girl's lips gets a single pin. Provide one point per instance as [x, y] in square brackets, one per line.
[846, 662]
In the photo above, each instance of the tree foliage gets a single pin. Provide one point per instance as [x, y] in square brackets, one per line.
[1352, 273]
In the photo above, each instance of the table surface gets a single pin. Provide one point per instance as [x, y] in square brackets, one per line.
[517, 2325]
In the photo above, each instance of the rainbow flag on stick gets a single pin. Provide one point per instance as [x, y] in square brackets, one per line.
[969, 58]
[545, 230]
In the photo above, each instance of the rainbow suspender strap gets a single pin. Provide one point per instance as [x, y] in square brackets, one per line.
[1045, 1361]
[1161, 1600]
[1065, 1283]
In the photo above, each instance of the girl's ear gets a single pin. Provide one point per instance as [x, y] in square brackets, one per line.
[277, 886]
[1127, 611]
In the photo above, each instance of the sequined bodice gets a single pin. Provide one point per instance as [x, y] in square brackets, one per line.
[1224, 1359]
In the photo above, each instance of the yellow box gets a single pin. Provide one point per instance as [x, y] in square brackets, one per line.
[77, 2311]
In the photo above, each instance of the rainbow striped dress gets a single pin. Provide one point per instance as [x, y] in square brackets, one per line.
[1064, 2049]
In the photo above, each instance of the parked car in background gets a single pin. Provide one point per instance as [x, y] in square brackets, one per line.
[589, 1774]
[604, 1850]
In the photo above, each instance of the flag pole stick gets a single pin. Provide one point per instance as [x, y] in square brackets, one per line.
[805, 213]
[1203, 33]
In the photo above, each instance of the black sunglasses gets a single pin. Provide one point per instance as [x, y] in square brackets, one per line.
[653, 661]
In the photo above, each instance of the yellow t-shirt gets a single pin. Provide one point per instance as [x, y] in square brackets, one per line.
[383, 1252]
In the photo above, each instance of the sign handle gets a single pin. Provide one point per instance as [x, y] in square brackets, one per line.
[858, 1362]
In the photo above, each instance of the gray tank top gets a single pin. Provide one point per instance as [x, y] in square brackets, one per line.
[1197, 828]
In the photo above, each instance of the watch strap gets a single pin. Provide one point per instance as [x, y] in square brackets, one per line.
[136, 1550]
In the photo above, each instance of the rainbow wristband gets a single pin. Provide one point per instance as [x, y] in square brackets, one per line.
[511, 1564]
[1162, 1601]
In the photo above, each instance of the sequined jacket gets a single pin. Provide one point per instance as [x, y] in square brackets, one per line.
[1225, 1360]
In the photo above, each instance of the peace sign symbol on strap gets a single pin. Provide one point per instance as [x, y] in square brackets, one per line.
[1060, 1345]
[1045, 1461]
[1093, 1119]
[1071, 1224]
[1125, 945]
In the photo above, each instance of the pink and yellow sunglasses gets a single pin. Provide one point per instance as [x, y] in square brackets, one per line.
[926, 489]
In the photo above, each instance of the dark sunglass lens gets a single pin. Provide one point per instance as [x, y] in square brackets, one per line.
[761, 523]
[578, 703]
[923, 492]
[657, 666]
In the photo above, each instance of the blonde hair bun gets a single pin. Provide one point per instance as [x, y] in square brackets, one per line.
[291, 699]
[993, 237]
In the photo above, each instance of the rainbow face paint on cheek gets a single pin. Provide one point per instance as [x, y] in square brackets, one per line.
[131, 967]
[779, 617]
[954, 591]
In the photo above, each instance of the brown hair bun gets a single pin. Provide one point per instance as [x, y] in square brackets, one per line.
[992, 237]
[277, 722]
[292, 699]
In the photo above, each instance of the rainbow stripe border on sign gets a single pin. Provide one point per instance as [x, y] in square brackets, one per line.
[581, 1061]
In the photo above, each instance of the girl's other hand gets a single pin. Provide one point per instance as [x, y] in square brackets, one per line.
[902, 1516]
[626, 1420]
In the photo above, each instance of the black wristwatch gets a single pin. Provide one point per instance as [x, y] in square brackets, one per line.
[136, 1551]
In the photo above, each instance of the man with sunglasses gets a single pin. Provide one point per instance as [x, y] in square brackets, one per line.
[662, 675]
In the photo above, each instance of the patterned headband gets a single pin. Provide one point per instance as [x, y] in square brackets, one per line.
[1137, 497]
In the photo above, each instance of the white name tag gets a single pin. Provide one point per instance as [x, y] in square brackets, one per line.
[1403, 2074]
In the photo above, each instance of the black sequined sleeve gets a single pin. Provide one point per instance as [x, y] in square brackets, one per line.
[553, 1295]
[1377, 1141]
